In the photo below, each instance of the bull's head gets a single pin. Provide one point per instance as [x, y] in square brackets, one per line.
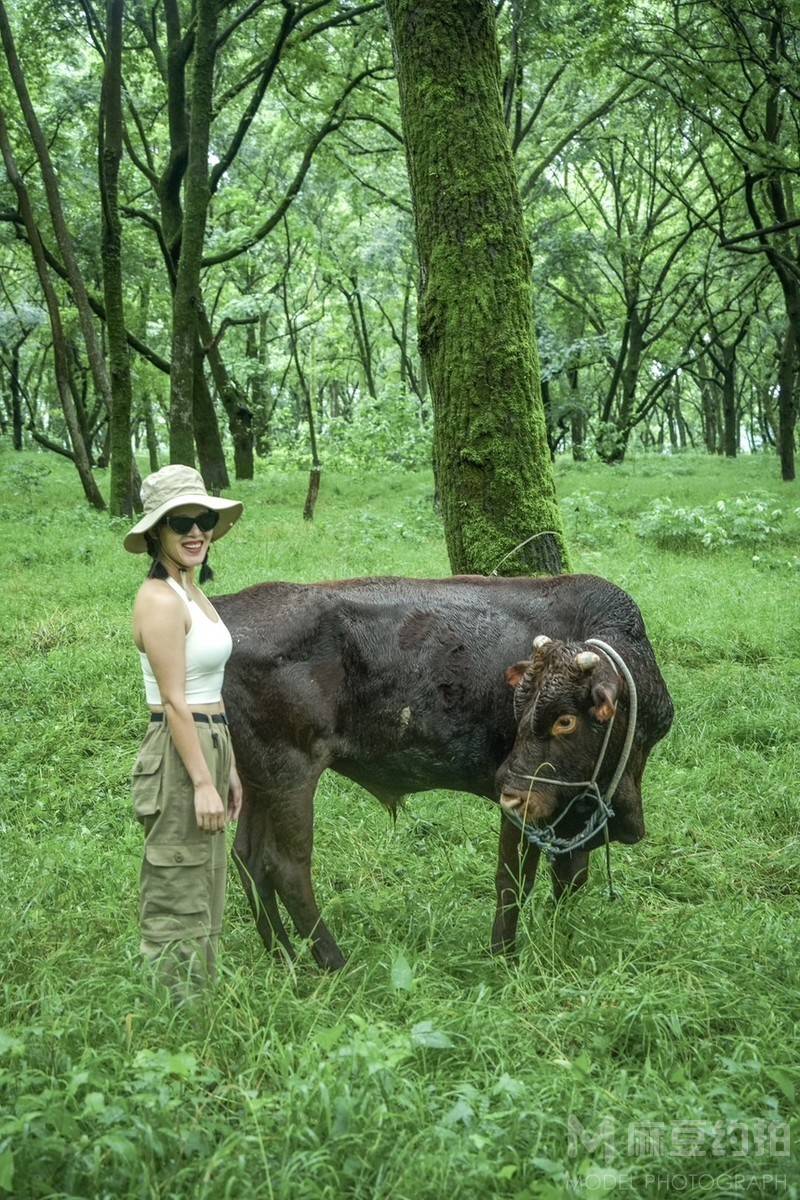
[565, 696]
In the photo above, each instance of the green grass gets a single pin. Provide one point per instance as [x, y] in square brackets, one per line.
[425, 1068]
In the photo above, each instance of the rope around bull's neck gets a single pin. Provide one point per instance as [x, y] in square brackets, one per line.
[548, 840]
[619, 663]
[633, 709]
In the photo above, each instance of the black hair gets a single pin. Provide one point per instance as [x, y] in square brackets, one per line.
[157, 568]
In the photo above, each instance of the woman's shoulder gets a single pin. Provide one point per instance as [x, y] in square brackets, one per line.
[157, 594]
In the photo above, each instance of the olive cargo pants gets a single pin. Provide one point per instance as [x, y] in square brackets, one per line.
[182, 881]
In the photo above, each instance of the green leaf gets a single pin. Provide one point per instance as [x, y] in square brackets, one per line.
[6, 1170]
[424, 1034]
[599, 1181]
[460, 1113]
[327, 1038]
[120, 1145]
[182, 1064]
[10, 1044]
[550, 1167]
[402, 975]
[784, 1079]
[582, 1064]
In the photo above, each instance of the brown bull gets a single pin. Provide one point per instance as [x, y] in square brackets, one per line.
[403, 686]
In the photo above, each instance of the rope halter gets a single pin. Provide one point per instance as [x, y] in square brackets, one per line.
[600, 810]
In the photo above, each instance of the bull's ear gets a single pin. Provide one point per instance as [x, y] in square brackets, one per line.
[515, 674]
[604, 701]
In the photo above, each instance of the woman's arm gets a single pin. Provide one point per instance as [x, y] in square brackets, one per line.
[162, 630]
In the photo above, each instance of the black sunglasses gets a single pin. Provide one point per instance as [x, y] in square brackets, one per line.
[204, 521]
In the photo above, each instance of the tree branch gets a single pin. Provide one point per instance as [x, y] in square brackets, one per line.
[595, 114]
[331, 125]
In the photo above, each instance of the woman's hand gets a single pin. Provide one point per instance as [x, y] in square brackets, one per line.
[208, 808]
[234, 795]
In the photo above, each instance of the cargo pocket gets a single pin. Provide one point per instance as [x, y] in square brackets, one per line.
[175, 901]
[146, 780]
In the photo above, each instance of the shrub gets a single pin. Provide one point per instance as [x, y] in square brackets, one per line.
[379, 434]
[747, 520]
[587, 518]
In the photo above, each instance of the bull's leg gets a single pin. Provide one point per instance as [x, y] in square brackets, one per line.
[569, 872]
[517, 861]
[292, 820]
[250, 855]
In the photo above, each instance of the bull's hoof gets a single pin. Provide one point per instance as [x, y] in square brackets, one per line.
[329, 960]
[504, 948]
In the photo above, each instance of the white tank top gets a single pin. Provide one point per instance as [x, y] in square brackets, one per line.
[208, 648]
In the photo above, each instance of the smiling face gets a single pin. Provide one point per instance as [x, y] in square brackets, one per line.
[188, 549]
[565, 698]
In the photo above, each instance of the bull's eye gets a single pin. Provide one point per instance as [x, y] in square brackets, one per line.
[566, 723]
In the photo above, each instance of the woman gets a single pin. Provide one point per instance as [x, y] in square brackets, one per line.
[185, 771]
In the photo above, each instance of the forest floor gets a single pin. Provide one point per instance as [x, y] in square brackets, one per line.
[643, 1047]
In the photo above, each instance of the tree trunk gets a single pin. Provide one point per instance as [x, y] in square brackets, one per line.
[678, 411]
[79, 377]
[240, 418]
[361, 334]
[60, 353]
[105, 449]
[150, 431]
[63, 237]
[578, 435]
[475, 314]
[16, 398]
[186, 300]
[5, 407]
[669, 413]
[261, 405]
[547, 409]
[728, 396]
[766, 412]
[577, 418]
[315, 473]
[787, 409]
[121, 499]
[406, 376]
[613, 448]
[312, 493]
[206, 430]
[709, 417]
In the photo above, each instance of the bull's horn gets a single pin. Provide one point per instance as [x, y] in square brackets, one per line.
[540, 641]
[587, 660]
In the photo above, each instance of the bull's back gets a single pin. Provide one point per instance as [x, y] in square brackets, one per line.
[411, 672]
[496, 613]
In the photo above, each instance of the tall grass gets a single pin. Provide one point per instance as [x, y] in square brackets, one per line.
[643, 1047]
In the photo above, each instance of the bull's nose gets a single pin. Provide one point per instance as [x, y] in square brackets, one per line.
[535, 808]
[511, 799]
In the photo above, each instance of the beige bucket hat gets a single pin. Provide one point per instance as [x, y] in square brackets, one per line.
[169, 488]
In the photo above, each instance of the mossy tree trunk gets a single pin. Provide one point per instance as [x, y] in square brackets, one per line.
[475, 312]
